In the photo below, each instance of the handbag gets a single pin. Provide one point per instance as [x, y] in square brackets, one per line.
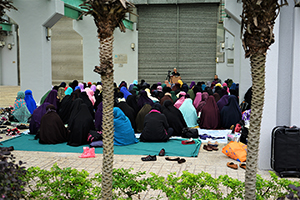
[189, 133]
[94, 136]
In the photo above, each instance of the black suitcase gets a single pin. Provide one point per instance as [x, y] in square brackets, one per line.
[285, 152]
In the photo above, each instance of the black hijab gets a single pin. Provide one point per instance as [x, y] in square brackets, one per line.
[174, 117]
[132, 102]
[65, 108]
[129, 112]
[88, 102]
[139, 120]
[231, 113]
[80, 123]
[52, 129]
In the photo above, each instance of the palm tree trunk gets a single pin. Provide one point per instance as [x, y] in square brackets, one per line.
[258, 90]
[106, 46]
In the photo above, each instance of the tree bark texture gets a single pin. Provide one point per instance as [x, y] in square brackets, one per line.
[258, 91]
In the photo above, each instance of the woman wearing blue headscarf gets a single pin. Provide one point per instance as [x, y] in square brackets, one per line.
[30, 102]
[68, 91]
[189, 113]
[124, 133]
[125, 92]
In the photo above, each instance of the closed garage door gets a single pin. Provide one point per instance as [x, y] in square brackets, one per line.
[181, 36]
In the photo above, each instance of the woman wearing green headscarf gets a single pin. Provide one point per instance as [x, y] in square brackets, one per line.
[173, 96]
[20, 111]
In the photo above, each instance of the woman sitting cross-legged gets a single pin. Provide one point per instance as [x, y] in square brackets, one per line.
[52, 129]
[156, 127]
[123, 131]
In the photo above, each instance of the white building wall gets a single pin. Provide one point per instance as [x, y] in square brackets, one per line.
[9, 64]
[122, 41]
[33, 17]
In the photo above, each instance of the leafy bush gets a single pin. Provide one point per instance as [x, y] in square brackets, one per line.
[11, 183]
[69, 183]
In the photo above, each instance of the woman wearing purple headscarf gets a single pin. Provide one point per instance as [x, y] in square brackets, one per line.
[192, 84]
[52, 98]
[202, 103]
[222, 102]
[144, 99]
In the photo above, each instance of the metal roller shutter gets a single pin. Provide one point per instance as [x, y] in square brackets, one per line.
[181, 36]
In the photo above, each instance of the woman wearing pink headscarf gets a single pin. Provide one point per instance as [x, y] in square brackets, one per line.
[90, 94]
[225, 84]
[197, 99]
[81, 87]
[180, 101]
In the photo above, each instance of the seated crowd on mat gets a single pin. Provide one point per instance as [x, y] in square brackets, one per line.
[158, 111]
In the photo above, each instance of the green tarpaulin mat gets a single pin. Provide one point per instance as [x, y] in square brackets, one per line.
[173, 147]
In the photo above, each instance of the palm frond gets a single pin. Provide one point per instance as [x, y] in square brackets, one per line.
[5, 5]
[108, 14]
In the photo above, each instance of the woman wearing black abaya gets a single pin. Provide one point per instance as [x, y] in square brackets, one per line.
[52, 129]
[88, 102]
[231, 113]
[129, 112]
[132, 102]
[80, 123]
[174, 117]
[139, 120]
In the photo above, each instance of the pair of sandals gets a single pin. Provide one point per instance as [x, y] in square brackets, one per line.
[235, 166]
[211, 147]
[179, 160]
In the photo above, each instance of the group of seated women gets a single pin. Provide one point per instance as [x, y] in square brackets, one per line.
[69, 113]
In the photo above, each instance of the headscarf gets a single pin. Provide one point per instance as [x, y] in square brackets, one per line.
[203, 87]
[62, 84]
[139, 121]
[69, 91]
[192, 94]
[89, 84]
[30, 102]
[173, 96]
[135, 82]
[185, 87]
[180, 101]
[218, 84]
[123, 131]
[90, 94]
[98, 117]
[144, 99]
[36, 118]
[180, 82]
[231, 113]
[166, 97]
[217, 97]
[210, 115]
[233, 86]
[99, 87]
[202, 103]
[151, 97]
[130, 86]
[77, 88]
[159, 88]
[93, 88]
[61, 94]
[197, 100]
[64, 110]
[192, 84]
[20, 111]
[229, 83]
[44, 97]
[208, 83]
[80, 123]
[189, 113]
[222, 102]
[129, 112]
[52, 98]
[125, 92]
[52, 129]
[81, 86]
[174, 117]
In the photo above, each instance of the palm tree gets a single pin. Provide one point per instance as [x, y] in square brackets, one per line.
[108, 14]
[5, 5]
[258, 19]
